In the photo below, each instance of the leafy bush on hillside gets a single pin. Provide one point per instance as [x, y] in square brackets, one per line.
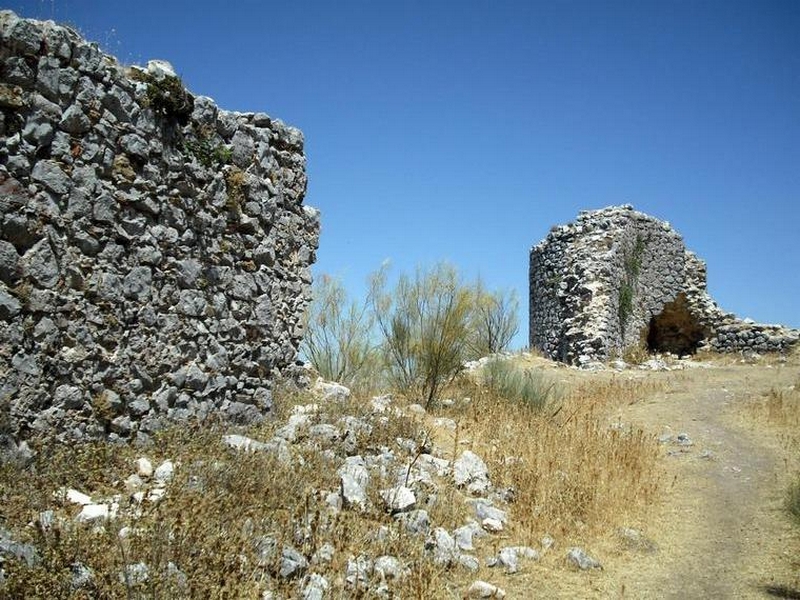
[417, 335]
[338, 337]
[425, 326]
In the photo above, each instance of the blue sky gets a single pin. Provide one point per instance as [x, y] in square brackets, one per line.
[464, 130]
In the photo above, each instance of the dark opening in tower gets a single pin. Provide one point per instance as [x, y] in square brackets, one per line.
[675, 329]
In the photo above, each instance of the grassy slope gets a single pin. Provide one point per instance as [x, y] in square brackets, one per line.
[579, 474]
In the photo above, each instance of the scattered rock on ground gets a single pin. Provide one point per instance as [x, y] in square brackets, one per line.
[328, 391]
[442, 547]
[399, 499]
[469, 470]
[416, 522]
[359, 571]
[635, 540]
[315, 587]
[11, 548]
[508, 557]
[354, 478]
[469, 562]
[464, 534]
[578, 557]
[483, 589]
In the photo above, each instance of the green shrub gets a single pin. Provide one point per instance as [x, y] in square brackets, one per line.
[633, 266]
[625, 308]
[425, 325]
[494, 322]
[338, 336]
[166, 96]
[206, 146]
[513, 383]
[169, 99]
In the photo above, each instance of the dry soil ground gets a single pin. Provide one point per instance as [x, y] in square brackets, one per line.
[720, 530]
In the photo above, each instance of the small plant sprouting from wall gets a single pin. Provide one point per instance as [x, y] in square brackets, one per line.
[625, 303]
[167, 96]
[633, 266]
[552, 283]
[206, 149]
[234, 182]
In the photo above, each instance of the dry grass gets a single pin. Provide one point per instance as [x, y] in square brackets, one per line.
[571, 473]
[574, 477]
[219, 505]
[779, 409]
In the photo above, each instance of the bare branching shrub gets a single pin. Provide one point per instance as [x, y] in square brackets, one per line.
[338, 336]
[495, 320]
[425, 324]
[430, 324]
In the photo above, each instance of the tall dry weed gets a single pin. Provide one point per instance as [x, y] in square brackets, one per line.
[210, 535]
[571, 474]
[780, 409]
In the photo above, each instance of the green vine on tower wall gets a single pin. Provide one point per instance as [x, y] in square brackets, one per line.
[633, 266]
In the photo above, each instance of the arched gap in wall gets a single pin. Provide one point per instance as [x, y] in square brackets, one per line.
[675, 329]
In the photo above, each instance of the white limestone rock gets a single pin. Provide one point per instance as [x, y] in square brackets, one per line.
[144, 468]
[579, 558]
[73, 496]
[328, 391]
[469, 470]
[93, 512]
[315, 588]
[399, 499]
[442, 547]
[482, 589]
[354, 479]
[164, 472]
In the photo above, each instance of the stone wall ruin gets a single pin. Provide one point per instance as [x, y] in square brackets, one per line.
[155, 252]
[617, 279]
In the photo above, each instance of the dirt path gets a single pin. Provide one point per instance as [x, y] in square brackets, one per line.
[721, 532]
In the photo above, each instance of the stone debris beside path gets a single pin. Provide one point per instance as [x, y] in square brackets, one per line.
[417, 475]
[483, 589]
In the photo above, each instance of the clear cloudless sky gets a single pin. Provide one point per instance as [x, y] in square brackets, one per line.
[463, 130]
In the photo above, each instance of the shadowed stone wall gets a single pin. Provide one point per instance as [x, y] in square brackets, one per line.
[615, 279]
[155, 252]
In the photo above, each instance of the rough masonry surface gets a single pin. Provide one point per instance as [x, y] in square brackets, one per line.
[617, 279]
[155, 251]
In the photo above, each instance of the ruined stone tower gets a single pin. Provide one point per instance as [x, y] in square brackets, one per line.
[617, 278]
